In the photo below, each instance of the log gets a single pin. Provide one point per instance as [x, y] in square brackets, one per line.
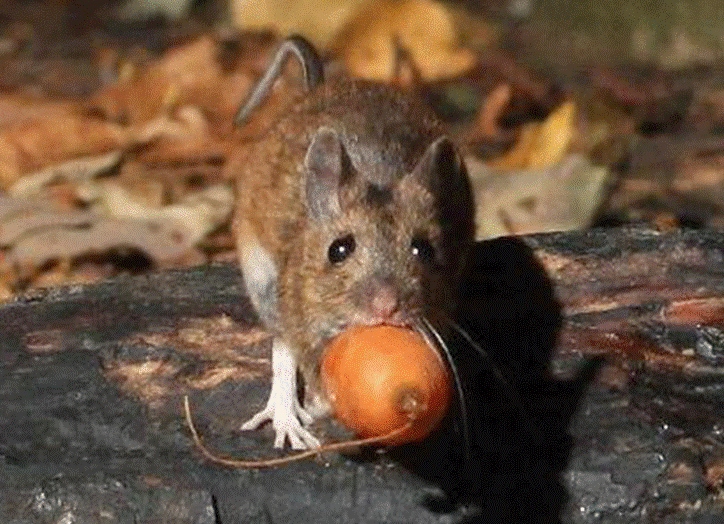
[595, 394]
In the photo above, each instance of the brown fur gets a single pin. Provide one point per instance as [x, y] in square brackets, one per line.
[385, 132]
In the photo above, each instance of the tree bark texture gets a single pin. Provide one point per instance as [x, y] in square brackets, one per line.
[597, 397]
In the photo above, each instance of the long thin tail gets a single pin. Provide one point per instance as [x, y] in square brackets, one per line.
[312, 69]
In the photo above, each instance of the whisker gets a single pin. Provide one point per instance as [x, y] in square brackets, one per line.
[510, 391]
[427, 330]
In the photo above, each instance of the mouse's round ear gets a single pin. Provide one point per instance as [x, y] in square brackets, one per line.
[327, 167]
[442, 170]
[441, 163]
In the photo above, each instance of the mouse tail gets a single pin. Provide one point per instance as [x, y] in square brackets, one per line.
[293, 47]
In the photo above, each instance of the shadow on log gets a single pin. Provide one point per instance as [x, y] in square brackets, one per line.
[92, 377]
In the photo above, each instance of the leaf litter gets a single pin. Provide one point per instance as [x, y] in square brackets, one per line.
[121, 150]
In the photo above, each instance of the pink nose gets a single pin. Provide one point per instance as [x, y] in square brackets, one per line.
[384, 302]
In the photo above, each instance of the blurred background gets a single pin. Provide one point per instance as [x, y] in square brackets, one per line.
[116, 116]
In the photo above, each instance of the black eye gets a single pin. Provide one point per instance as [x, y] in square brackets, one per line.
[341, 248]
[422, 249]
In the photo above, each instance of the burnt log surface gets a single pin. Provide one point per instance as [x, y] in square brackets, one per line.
[610, 342]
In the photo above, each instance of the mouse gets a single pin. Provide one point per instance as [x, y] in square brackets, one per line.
[353, 207]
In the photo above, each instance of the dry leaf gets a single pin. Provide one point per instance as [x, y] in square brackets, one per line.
[424, 28]
[554, 137]
[197, 215]
[317, 20]
[517, 156]
[72, 171]
[188, 75]
[33, 144]
[486, 122]
[560, 197]
[544, 144]
[6, 292]
[183, 138]
[188, 126]
[32, 233]
[16, 108]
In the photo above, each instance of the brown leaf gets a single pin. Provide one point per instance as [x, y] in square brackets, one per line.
[17, 108]
[77, 170]
[34, 144]
[186, 75]
[185, 138]
[486, 126]
[197, 215]
[97, 235]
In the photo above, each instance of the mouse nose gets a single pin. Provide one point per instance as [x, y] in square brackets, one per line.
[385, 302]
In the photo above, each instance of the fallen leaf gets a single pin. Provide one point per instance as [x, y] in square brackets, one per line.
[555, 198]
[33, 144]
[517, 156]
[33, 233]
[318, 20]
[486, 121]
[92, 235]
[187, 75]
[424, 28]
[553, 137]
[72, 171]
[184, 137]
[197, 215]
[544, 144]
[6, 292]
[17, 108]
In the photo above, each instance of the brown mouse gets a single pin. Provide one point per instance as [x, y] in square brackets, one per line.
[352, 208]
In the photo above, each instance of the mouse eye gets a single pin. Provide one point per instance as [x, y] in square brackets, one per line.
[341, 248]
[422, 249]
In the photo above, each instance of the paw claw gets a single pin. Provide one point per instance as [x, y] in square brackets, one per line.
[283, 408]
[304, 416]
[257, 420]
[287, 426]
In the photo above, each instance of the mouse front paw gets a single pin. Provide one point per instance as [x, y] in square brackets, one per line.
[287, 422]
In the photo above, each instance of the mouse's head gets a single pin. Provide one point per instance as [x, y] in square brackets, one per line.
[377, 249]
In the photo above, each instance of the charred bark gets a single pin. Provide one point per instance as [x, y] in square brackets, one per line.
[92, 377]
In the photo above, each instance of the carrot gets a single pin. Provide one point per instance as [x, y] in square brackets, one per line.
[382, 377]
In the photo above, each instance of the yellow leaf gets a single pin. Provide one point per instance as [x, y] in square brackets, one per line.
[318, 20]
[424, 28]
[541, 145]
[517, 156]
[553, 137]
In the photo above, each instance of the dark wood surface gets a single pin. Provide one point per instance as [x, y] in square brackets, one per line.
[609, 342]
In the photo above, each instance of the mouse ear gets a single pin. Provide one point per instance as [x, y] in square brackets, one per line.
[443, 172]
[440, 161]
[327, 166]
